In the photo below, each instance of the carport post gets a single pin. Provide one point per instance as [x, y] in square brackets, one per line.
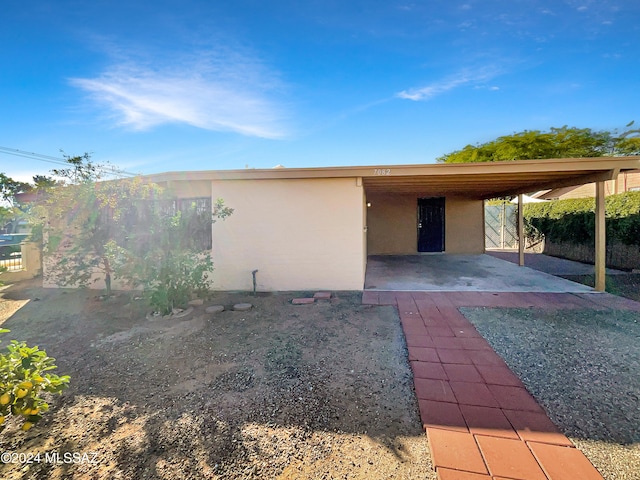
[520, 231]
[601, 242]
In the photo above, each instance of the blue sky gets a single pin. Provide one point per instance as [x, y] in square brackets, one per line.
[197, 85]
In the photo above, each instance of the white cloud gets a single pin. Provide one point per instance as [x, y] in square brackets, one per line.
[464, 78]
[219, 93]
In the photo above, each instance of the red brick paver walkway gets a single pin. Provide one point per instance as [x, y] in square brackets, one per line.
[480, 420]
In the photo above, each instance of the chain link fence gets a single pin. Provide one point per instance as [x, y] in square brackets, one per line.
[501, 226]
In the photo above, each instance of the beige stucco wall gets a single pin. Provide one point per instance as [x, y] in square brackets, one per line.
[190, 188]
[392, 224]
[393, 229]
[464, 226]
[31, 264]
[364, 231]
[629, 181]
[625, 182]
[302, 234]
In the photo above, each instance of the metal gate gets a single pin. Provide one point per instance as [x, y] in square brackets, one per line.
[501, 226]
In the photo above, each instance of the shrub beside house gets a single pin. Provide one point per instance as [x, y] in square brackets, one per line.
[568, 228]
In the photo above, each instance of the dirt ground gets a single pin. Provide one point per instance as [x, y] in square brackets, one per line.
[281, 391]
[624, 284]
[582, 366]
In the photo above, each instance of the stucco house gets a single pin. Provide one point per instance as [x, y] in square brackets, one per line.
[626, 181]
[313, 228]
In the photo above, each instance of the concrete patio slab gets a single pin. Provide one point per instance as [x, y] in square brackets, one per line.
[461, 273]
[550, 265]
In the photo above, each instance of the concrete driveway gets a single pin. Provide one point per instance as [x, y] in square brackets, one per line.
[472, 273]
[550, 265]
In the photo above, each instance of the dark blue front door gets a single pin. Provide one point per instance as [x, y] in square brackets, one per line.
[431, 224]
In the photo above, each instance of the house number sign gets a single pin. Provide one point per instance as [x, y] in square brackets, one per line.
[382, 171]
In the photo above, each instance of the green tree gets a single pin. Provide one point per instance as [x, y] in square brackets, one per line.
[15, 209]
[7, 215]
[84, 223]
[176, 267]
[627, 142]
[563, 142]
[10, 187]
[128, 229]
[11, 212]
[165, 253]
[81, 169]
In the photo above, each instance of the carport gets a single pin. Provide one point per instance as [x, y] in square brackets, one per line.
[460, 273]
[318, 228]
[394, 194]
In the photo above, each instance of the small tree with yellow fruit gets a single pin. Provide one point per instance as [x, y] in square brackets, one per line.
[23, 377]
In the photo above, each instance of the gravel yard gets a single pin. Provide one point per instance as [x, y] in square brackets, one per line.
[583, 368]
[280, 391]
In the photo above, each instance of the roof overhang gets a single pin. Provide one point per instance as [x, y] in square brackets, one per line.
[471, 180]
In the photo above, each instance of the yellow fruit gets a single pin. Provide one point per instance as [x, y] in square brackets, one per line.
[1, 419]
[5, 398]
[26, 385]
[22, 392]
[37, 378]
[27, 426]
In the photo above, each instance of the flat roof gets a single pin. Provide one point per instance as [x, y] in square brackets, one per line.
[472, 180]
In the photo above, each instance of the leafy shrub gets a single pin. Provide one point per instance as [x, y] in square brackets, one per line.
[23, 378]
[573, 220]
[176, 279]
[168, 258]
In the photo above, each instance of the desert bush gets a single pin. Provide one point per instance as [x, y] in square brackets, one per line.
[23, 377]
[176, 279]
[168, 257]
[573, 220]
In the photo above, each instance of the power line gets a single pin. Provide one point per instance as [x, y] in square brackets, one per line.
[61, 161]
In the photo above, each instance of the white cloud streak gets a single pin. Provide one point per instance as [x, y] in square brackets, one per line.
[220, 94]
[464, 78]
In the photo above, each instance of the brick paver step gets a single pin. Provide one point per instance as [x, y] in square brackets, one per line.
[423, 354]
[487, 421]
[498, 375]
[480, 420]
[302, 301]
[563, 463]
[420, 341]
[536, 427]
[455, 450]
[449, 355]
[462, 373]
[432, 370]
[470, 393]
[509, 458]
[443, 415]
[448, 474]
[514, 398]
[436, 390]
